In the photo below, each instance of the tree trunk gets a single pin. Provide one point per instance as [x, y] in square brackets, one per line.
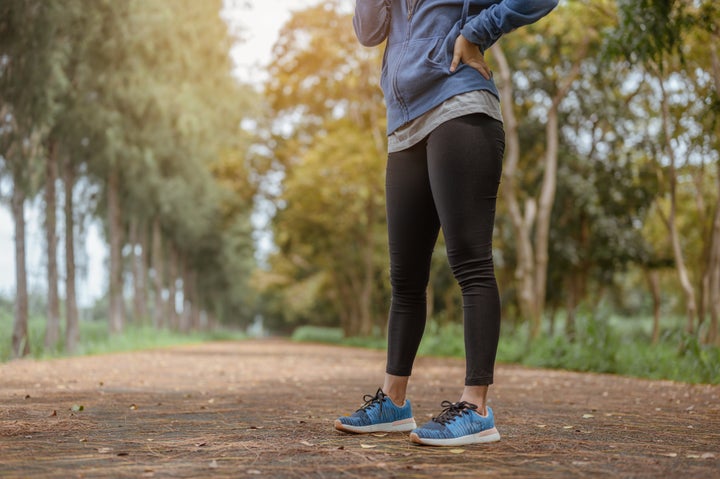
[714, 273]
[52, 331]
[72, 331]
[653, 278]
[522, 222]
[365, 296]
[188, 295]
[20, 340]
[571, 301]
[533, 258]
[347, 304]
[158, 275]
[552, 320]
[117, 319]
[684, 277]
[138, 262]
[172, 315]
[193, 303]
[544, 214]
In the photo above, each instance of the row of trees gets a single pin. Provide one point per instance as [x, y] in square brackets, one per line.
[610, 179]
[127, 112]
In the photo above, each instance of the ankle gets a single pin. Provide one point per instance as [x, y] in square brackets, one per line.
[397, 398]
[476, 395]
[395, 387]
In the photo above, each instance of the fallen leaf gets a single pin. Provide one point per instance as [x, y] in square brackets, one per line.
[104, 450]
[133, 407]
[541, 425]
[253, 472]
[201, 444]
[123, 453]
[367, 446]
[255, 427]
[54, 413]
[568, 427]
[670, 454]
[27, 396]
[306, 443]
[77, 408]
[213, 464]
[83, 440]
[588, 416]
[457, 451]
[379, 435]
[707, 455]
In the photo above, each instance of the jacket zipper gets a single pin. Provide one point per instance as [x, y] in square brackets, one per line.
[410, 7]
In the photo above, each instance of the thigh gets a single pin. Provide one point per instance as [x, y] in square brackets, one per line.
[413, 223]
[465, 166]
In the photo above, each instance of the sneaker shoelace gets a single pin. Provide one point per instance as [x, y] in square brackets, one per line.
[371, 400]
[453, 410]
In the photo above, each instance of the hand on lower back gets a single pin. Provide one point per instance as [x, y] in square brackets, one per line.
[469, 54]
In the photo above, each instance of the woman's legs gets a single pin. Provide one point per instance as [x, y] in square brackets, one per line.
[413, 228]
[465, 166]
[452, 179]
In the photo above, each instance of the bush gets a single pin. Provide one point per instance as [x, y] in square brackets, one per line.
[318, 334]
[96, 339]
[603, 345]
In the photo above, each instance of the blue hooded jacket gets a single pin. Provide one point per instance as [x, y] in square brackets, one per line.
[421, 38]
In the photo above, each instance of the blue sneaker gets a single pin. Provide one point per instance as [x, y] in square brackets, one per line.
[457, 425]
[378, 414]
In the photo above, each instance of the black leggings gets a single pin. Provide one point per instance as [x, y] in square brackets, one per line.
[450, 179]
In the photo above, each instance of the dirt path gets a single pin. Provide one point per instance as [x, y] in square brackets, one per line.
[265, 409]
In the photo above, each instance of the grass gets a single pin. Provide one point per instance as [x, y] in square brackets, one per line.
[614, 345]
[611, 345]
[95, 338]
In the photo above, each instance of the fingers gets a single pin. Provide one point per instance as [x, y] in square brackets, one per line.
[458, 52]
[457, 57]
[471, 55]
[481, 67]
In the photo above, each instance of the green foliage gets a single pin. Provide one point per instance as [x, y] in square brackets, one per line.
[318, 334]
[617, 346]
[650, 28]
[595, 348]
[330, 148]
[443, 340]
[97, 340]
[331, 335]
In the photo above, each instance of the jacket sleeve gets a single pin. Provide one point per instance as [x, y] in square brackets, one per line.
[490, 24]
[372, 21]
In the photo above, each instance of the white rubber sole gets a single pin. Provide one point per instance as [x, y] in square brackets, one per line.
[404, 425]
[491, 435]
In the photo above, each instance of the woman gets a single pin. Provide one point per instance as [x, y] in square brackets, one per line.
[445, 144]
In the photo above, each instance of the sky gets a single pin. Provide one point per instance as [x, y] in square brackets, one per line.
[259, 22]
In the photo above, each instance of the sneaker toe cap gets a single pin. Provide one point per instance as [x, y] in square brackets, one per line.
[431, 430]
[355, 420]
